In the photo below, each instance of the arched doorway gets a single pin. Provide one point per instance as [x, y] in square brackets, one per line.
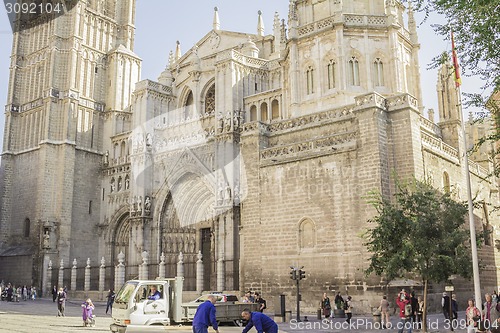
[185, 221]
[121, 243]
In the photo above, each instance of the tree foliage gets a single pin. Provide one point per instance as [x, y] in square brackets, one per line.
[421, 231]
[476, 27]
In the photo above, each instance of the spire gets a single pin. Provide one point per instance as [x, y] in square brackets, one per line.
[412, 24]
[216, 25]
[178, 53]
[260, 25]
[277, 32]
[171, 58]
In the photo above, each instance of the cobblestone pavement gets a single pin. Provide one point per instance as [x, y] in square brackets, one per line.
[40, 316]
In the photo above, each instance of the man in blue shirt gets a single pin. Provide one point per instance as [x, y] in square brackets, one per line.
[205, 316]
[155, 294]
[261, 322]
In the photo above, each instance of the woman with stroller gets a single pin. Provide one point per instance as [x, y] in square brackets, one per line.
[88, 317]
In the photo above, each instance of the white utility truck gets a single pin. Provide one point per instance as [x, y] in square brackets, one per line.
[132, 306]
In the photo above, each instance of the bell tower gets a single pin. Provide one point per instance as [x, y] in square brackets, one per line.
[55, 129]
[339, 49]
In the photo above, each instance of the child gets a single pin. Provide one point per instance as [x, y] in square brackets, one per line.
[88, 317]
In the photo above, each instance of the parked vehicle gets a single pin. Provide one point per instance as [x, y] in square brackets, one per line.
[133, 308]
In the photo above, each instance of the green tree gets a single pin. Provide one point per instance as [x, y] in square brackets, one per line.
[476, 27]
[421, 232]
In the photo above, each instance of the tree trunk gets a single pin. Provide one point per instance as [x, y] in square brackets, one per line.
[424, 311]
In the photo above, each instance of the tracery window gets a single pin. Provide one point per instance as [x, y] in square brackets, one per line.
[210, 100]
[353, 70]
[378, 73]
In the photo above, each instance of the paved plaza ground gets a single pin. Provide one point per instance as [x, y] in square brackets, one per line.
[40, 316]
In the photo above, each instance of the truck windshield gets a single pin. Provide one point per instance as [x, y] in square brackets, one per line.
[126, 292]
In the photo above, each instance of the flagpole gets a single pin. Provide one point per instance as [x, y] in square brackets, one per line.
[465, 165]
[472, 227]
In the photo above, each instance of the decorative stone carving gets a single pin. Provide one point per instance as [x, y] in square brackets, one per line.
[147, 206]
[46, 240]
[139, 205]
[105, 158]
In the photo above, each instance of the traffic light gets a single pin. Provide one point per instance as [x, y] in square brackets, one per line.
[293, 274]
[302, 274]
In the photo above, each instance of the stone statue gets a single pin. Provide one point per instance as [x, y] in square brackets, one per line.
[221, 195]
[112, 186]
[228, 121]
[191, 245]
[147, 205]
[46, 240]
[221, 122]
[105, 159]
[133, 205]
[127, 183]
[228, 193]
[119, 183]
[139, 204]
[149, 140]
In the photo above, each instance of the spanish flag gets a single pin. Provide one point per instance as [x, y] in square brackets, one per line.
[458, 80]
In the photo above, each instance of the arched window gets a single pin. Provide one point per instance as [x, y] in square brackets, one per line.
[307, 234]
[253, 113]
[353, 71]
[275, 109]
[210, 100]
[446, 182]
[115, 150]
[330, 68]
[378, 73]
[263, 112]
[310, 80]
[122, 149]
[27, 227]
[188, 106]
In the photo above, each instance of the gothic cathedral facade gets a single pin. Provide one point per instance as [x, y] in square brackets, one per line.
[256, 151]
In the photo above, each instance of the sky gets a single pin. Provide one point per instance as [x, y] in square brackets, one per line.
[160, 23]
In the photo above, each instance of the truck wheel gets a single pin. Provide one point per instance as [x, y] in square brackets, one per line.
[238, 322]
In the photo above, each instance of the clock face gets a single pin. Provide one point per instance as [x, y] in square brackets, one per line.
[26, 14]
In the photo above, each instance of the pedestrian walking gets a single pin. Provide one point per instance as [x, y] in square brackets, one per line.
[61, 302]
[24, 292]
[445, 304]
[54, 294]
[403, 302]
[454, 306]
[87, 315]
[339, 301]
[348, 308]
[326, 306]
[384, 310]
[262, 302]
[111, 299]
[472, 315]
[420, 311]
[261, 322]
[491, 313]
[205, 316]
[414, 307]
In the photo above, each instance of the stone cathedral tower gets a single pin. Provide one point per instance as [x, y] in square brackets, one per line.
[71, 76]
